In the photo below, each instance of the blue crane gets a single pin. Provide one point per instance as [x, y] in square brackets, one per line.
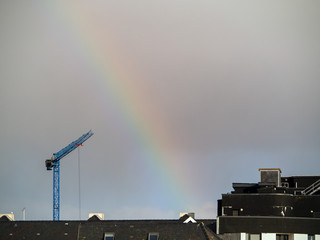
[54, 163]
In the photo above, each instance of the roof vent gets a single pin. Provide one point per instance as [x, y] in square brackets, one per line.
[100, 216]
[187, 217]
[190, 219]
[8, 216]
[190, 214]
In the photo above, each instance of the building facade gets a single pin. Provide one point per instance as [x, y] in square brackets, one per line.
[276, 208]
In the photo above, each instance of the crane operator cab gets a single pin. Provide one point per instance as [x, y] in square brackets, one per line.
[49, 164]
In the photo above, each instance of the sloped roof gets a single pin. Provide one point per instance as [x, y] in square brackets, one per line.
[210, 231]
[123, 229]
[139, 229]
[39, 230]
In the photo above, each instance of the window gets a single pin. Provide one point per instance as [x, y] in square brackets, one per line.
[153, 236]
[282, 237]
[235, 212]
[311, 237]
[109, 236]
[254, 237]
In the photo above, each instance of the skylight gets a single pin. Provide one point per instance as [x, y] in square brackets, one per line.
[153, 236]
[109, 236]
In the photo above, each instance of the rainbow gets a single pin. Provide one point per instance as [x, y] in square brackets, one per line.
[137, 109]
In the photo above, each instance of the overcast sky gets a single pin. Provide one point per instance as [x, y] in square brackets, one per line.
[184, 98]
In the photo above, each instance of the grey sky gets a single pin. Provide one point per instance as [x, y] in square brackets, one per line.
[230, 86]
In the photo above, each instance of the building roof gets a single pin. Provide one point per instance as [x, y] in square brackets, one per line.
[139, 229]
[39, 230]
[95, 229]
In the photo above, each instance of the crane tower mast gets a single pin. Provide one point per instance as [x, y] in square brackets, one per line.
[54, 164]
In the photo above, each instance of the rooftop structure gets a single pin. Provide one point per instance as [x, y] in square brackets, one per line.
[275, 205]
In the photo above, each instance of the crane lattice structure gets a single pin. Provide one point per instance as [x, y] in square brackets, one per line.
[54, 163]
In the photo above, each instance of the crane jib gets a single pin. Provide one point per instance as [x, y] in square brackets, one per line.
[72, 146]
